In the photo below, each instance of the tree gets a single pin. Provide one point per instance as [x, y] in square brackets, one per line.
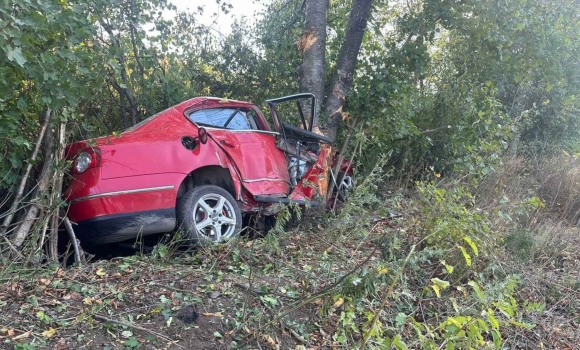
[312, 72]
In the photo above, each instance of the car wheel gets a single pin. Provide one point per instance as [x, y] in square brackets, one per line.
[345, 186]
[341, 190]
[209, 214]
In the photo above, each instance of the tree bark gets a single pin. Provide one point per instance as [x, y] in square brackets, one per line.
[347, 59]
[312, 46]
[121, 102]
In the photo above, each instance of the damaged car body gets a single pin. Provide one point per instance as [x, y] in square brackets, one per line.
[198, 166]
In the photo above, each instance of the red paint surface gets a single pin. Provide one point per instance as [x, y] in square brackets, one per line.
[120, 204]
[261, 165]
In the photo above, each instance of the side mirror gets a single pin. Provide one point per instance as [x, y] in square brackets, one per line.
[202, 136]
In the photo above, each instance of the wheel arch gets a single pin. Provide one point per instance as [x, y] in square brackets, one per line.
[208, 175]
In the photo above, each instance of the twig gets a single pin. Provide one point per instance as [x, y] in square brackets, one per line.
[294, 333]
[256, 292]
[345, 146]
[139, 328]
[12, 247]
[358, 145]
[172, 288]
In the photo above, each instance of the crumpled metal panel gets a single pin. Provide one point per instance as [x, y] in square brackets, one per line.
[262, 166]
[313, 181]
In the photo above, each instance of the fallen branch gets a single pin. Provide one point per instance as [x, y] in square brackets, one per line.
[56, 193]
[79, 253]
[258, 293]
[139, 328]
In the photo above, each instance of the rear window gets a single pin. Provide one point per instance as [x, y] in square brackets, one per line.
[236, 119]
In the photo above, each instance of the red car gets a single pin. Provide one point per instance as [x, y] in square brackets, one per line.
[198, 166]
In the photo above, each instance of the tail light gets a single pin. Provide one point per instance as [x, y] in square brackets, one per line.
[86, 159]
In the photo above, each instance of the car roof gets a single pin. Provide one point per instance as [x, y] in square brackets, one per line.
[205, 99]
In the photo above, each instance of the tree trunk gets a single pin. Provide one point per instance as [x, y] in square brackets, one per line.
[312, 46]
[121, 103]
[128, 94]
[123, 91]
[342, 79]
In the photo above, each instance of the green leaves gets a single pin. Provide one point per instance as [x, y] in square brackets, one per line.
[466, 256]
[15, 55]
[438, 285]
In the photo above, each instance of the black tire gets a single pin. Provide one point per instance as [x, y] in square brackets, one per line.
[200, 217]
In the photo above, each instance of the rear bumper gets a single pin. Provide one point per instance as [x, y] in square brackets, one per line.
[122, 227]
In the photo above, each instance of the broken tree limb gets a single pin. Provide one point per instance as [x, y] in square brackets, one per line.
[34, 208]
[79, 253]
[359, 146]
[19, 194]
[53, 241]
[345, 145]
[56, 193]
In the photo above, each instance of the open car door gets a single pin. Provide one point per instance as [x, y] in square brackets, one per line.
[307, 161]
[290, 132]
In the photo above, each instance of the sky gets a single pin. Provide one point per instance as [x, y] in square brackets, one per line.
[223, 22]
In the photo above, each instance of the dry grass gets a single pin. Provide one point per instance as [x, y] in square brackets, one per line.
[559, 186]
[541, 246]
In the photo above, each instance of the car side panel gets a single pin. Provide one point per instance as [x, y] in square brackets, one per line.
[122, 195]
[261, 165]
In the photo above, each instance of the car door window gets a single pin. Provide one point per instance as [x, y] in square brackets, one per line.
[236, 119]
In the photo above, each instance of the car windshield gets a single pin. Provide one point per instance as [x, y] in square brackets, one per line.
[224, 118]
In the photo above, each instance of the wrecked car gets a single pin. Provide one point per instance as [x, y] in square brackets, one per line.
[198, 166]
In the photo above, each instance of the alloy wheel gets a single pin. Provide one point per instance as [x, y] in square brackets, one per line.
[214, 217]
